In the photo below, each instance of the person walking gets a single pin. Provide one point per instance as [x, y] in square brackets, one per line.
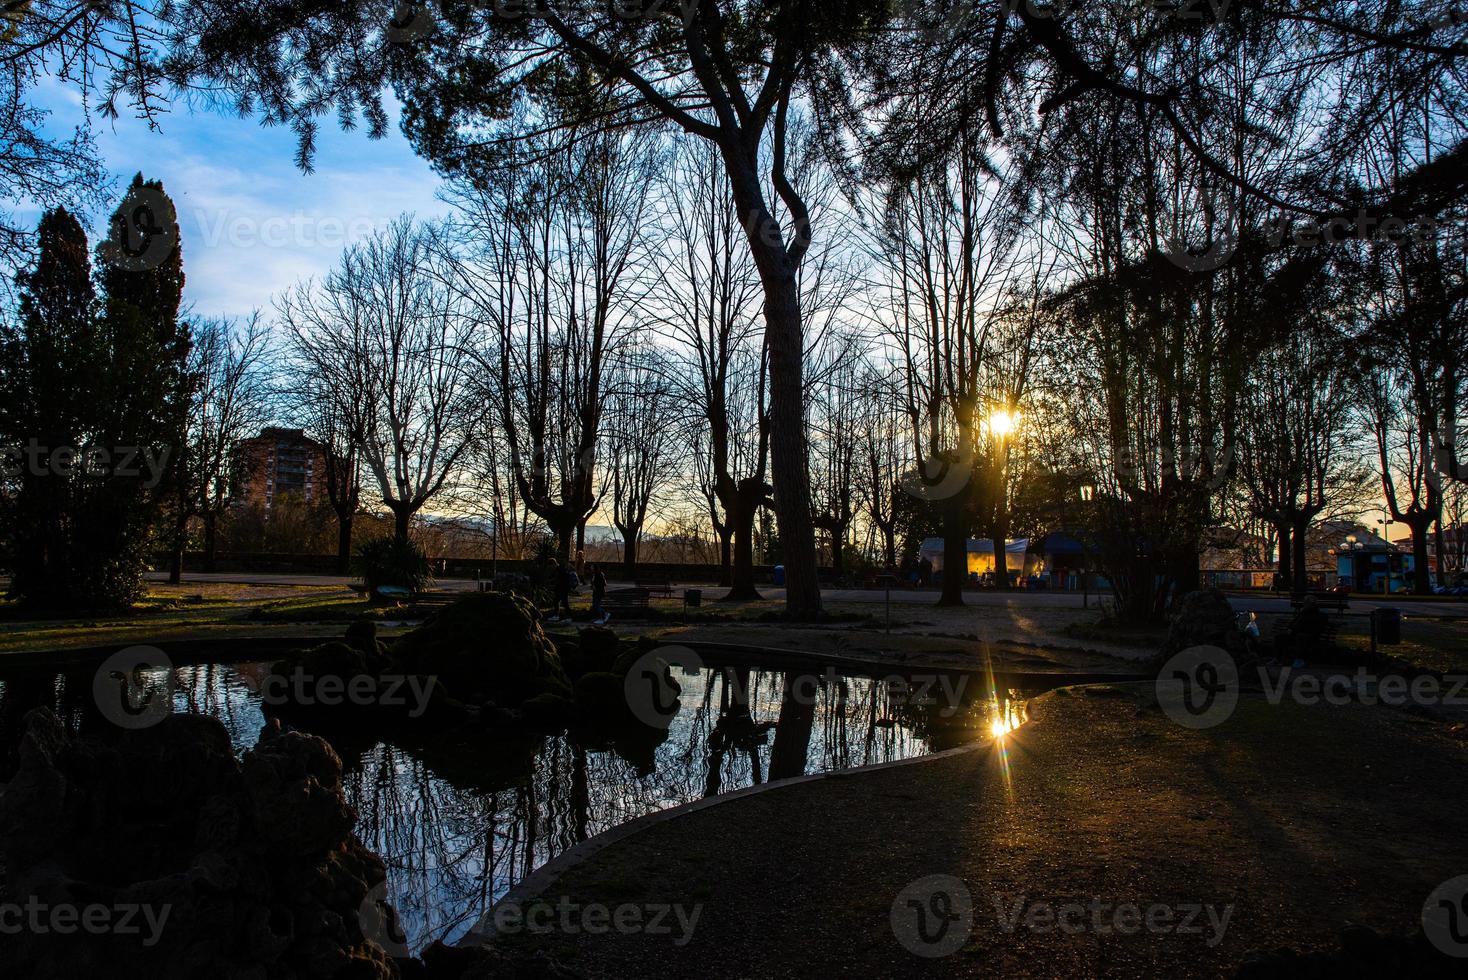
[565, 581]
[599, 614]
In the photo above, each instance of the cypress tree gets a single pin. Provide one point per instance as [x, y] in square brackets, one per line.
[46, 411]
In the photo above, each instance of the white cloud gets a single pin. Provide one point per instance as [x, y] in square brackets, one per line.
[252, 223]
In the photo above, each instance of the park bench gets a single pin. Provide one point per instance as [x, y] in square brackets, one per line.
[1340, 601]
[626, 600]
[657, 587]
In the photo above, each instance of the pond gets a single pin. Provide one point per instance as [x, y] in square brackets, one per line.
[458, 823]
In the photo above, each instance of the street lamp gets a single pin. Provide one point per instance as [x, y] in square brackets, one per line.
[1088, 494]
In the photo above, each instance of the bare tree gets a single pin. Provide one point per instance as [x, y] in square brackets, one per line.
[230, 365]
[387, 335]
[835, 418]
[707, 301]
[948, 252]
[332, 413]
[641, 440]
[883, 456]
[556, 271]
[1296, 442]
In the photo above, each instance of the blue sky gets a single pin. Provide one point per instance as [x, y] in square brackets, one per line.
[252, 223]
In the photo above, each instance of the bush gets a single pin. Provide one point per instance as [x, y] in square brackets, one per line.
[388, 561]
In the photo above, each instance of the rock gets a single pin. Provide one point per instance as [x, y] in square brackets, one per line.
[249, 866]
[485, 647]
[599, 649]
[601, 698]
[295, 787]
[362, 637]
[547, 711]
[1202, 619]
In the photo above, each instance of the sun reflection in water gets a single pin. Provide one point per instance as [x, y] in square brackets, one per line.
[1008, 715]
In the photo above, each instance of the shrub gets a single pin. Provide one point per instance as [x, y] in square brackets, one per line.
[388, 561]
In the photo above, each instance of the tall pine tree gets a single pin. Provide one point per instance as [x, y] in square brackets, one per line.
[46, 411]
[93, 402]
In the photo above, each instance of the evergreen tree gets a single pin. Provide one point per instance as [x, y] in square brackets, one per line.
[93, 398]
[50, 368]
[148, 387]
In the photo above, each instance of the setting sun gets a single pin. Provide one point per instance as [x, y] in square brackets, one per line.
[1003, 423]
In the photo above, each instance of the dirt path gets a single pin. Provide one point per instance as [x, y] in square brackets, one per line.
[1293, 822]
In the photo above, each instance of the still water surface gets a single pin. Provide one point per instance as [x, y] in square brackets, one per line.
[459, 822]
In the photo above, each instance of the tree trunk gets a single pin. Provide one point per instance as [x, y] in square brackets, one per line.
[343, 544]
[1188, 575]
[1421, 577]
[1302, 567]
[837, 535]
[402, 522]
[726, 556]
[1286, 556]
[1442, 552]
[180, 540]
[211, 522]
[789, 456]
[743, 589]
[785, 341]
[955, 551]
[629, 555]
[889, 544]
[1001, 563]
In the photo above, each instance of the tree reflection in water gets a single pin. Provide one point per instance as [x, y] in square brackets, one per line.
[459, 821]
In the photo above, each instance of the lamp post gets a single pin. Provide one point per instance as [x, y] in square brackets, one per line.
[1088, 495]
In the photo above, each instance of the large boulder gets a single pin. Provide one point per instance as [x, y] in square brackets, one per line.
[1203, 618]
[594, 649]
[486, 647]
[243, 868]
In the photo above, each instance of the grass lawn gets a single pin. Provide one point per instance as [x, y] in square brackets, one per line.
[193, 611]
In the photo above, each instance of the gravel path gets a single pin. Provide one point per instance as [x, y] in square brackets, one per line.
[1294, 822]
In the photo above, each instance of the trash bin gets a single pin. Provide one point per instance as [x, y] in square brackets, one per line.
[779, 575]
[693, 598]
[1387, 625]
